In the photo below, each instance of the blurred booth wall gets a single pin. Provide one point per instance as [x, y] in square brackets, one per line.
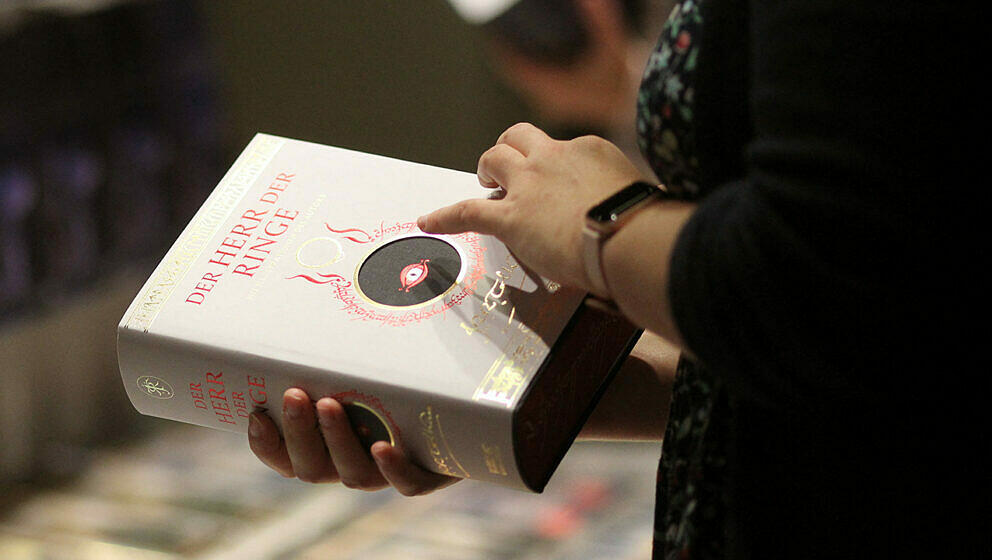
[117, 118]
[403, 79]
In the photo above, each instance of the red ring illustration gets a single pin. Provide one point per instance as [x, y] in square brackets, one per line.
[413, 274]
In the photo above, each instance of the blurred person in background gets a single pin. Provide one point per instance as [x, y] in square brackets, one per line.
[801, 255]
[577, 63]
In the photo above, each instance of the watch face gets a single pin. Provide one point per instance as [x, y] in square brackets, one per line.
[611, 208]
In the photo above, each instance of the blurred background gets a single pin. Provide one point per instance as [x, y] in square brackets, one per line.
[116, 120]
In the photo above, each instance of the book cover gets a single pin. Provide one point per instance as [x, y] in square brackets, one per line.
[305, 268]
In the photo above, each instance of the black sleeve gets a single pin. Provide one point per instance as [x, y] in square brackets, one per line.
[819, 274]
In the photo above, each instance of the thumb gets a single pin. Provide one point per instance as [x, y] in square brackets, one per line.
[478, 215]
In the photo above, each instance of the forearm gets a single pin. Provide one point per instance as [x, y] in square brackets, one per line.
[635, 405]
[636, 266]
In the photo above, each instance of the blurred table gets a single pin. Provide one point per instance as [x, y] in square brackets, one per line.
[189, 492]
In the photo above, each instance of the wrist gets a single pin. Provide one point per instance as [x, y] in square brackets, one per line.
[636, 262]
[604, 220]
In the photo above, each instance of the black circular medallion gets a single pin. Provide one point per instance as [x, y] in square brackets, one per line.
[409, 271]
[367, 424]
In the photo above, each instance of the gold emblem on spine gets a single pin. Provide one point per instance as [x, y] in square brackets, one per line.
[444, 459]
[494, 459]
[502, 384]
[155, 387]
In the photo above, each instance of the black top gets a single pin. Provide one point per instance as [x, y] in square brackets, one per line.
[826, 280]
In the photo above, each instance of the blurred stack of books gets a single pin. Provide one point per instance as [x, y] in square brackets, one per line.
[110, 140]
[188, 492]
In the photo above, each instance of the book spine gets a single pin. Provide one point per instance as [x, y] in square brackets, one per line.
[187, 382]
[213, 386]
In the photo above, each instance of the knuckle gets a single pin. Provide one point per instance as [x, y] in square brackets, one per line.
[588, 139]
[410, 491]
[370, 483]
[496, 157]
[588, 142]
[361, 482]
[510, 220]
[466, 213]
[308, 477]
[488, 155]
[350, 483]
[500, 155]
[594, 143]
[521, 127]
[263, 449]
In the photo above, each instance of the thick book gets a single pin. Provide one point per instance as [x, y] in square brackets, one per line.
[305, 268]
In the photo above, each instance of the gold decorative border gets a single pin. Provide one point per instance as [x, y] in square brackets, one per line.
[201, 230]
[447, 447]
[428, 420]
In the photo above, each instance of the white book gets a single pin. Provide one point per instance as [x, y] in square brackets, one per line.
[305, 268]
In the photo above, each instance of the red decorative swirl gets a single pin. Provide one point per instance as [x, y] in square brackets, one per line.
[368, 238]
[381, 231]
[328, 278]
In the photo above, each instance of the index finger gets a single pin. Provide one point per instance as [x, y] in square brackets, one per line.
[480, 216]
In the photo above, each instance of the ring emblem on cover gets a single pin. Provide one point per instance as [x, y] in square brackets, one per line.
[413, 274]
[410, 271]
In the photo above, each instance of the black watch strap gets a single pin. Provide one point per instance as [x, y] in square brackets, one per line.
[605, 219]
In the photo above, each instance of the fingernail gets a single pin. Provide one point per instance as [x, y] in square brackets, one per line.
[382, 449]
[254, 427]
[422, 222]
[323, 417]
[293, 409]
[376, 458]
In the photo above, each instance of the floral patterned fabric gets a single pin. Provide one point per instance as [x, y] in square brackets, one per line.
[690, 506]
[665, 102]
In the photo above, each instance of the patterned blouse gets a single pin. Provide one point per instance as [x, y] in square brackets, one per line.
[689, 506]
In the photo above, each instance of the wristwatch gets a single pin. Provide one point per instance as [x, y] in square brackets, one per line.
[606, 218]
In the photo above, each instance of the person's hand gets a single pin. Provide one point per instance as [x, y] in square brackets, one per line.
[549, 186]
[319, 445]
